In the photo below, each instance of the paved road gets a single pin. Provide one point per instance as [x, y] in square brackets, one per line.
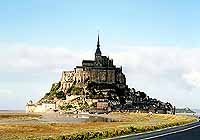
[186, 132]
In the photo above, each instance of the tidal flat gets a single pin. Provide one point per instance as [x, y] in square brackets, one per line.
[64, 126]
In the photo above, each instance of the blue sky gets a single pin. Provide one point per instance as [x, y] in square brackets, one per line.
[156, 41]
[75, 23]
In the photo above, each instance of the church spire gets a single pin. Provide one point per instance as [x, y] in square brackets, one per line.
[98, 43]
[98, 51]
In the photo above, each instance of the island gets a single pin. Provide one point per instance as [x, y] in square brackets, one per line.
[97, 86]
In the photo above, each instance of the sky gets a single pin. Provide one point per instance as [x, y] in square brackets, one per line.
[156, 42]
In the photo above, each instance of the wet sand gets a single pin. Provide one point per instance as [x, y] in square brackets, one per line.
[20, 117]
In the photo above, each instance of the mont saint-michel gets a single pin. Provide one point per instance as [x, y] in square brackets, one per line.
[96, 86]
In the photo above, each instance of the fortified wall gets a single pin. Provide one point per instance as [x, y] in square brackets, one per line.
[100, 70]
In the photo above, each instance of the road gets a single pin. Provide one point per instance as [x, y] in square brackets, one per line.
[186, 132]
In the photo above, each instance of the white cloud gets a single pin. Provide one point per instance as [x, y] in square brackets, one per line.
[30, 58]
[5, 92]
[193, 78]
[170, 74]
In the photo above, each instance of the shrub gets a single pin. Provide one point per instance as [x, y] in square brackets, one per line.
[75, 90]
[67, 107]
[60, 95]
[47, 94]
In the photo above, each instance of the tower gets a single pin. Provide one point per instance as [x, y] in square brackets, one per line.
[98, 51]
[98, 58]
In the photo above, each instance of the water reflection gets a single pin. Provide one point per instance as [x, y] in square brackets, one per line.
[85, 118]
[82, 118]
[99, 119]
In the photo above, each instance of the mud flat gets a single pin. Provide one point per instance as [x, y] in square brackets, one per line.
[65, 126]
[16, 118]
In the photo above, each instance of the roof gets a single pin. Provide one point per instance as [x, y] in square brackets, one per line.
[88, 61]
[79, 67]
[98, 51]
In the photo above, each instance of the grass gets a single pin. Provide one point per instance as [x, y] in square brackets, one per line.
[127, 123]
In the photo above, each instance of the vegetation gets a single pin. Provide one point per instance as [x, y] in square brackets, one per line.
[54, 92]
[60, 95]
[54, 88]
[73, 90]
[127, 123]
[68, 107]
[81, 106]
[95, 95]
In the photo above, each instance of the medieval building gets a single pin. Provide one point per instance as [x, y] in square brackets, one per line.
[97, 85]
[100, 70]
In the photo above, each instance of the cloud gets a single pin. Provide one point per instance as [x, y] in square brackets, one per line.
[168, 73]
[31, 59]
[5, 92]
[30, 70]
[192, 78]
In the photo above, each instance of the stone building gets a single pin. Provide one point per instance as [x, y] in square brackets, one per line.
[47, 106]
[97, 85]
[100, 70]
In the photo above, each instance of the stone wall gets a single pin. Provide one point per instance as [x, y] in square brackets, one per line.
[101, 70]
[44, 107]
[103, 76]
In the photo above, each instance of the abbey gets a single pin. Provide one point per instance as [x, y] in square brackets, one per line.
[96, 86]
[100, 71]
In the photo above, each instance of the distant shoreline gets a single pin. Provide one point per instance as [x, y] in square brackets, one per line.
[10, 111]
